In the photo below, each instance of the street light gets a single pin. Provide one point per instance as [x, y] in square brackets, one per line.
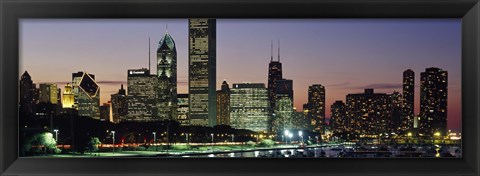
[212, 140]
[290, 135]
[154, 137]
[186, 138]
[300, 133]
[113, 141]
[233, 138]
[286, 135]
[56, 135]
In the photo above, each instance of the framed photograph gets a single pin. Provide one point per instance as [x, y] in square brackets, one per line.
[244, 87]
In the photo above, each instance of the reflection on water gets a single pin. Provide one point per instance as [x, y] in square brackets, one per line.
[345, 151]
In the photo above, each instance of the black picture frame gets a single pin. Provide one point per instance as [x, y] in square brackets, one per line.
[13, 10]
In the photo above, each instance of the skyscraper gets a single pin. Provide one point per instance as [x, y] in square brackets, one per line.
[105, 112]
[316, 107]
[182, 109]
[396, 103]
[167, 78]
[368, 114]
[408, 100]
[202, 71]
[141, 98]
[274, 74]
[223, 105]
[119, 104]
[338, 119]
[249, 107]
[68, 97]
[433, 102]
[48, 93]
[86, 94]
[282, 119]
[27, 94]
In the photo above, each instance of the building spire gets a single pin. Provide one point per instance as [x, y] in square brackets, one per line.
[166, 28]
[149, 67]
[278, 50]
[271, 51]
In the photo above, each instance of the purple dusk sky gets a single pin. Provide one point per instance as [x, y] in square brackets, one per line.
[345, 55]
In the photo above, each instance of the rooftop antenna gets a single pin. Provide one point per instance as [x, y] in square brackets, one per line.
[271, 51]
[278, 50]
[149, 67]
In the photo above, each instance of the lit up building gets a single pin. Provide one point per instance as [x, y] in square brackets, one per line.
[27, 94]
[368, 113]
[283, 112]
[48, 93]
[202, 71]
[299, 121]
[396, 103]
[433, 102]
[182, 109]
[141, 98]
[167, 78]
[68, 97]
[249, 107]
[408, 100]
[86, 95]
[316, 107]
[308, 117]
[119, 105]
[223, 105]
[338, 119]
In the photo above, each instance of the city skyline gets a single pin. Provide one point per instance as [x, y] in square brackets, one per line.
[324, 65]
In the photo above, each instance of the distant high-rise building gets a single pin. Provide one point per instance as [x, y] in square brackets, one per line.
[48, 93]
[68, 97]
[338, 119]
[223, 105]
[282, 119]
[182, 109]
[368, 114]
[408, 100]
[283, 115]
[167, 78]
[249, 107]
[299, 121]
[27, 94]
[316, 107]
[141, 98]
[433, 102]
[308, 117]
[105, 112]
[119, 105]
[59, 97]
[396, 103]
[274, 74]
[202, 71]
[86, 94]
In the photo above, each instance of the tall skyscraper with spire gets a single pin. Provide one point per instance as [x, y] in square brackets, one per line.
[408, 100]
[167, 78]
[274, 74]
[202, 71]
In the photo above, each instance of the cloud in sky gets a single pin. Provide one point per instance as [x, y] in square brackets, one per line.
[381, 86]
